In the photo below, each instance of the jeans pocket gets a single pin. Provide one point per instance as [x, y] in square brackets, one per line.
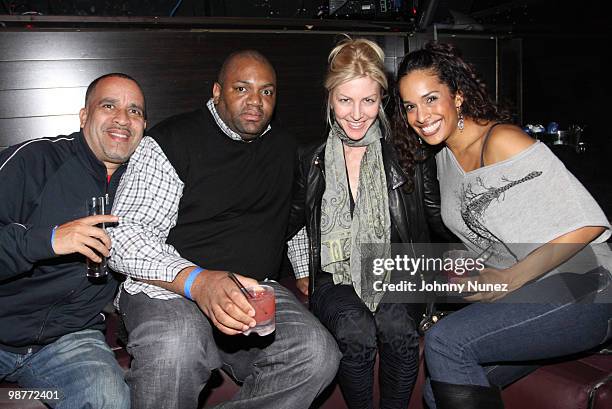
[239, 373]
[228, 369]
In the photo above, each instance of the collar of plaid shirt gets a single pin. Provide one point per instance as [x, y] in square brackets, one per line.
[226, 129]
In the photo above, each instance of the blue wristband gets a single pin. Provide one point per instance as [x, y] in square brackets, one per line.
[53, 236]
[189, 282]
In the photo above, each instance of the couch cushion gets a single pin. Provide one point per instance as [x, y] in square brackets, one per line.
[565, 385]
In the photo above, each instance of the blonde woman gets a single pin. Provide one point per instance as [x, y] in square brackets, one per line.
[353, 192]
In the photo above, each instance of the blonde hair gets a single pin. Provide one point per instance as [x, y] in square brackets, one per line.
[356, 58]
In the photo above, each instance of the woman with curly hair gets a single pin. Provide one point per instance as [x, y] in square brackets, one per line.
[508, 196]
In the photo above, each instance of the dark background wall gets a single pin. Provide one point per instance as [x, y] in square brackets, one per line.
[545, 60]
[44, 74]
[566, 80]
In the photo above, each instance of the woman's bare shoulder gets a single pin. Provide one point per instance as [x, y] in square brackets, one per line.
[505, 142]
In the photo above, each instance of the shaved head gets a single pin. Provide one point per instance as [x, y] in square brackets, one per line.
[238, 55]
[245, 93]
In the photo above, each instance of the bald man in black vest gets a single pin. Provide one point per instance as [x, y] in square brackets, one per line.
[208, 193]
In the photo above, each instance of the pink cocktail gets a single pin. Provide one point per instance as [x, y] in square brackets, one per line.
[264, 303]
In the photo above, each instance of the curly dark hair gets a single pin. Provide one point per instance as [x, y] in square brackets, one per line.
[445, 62]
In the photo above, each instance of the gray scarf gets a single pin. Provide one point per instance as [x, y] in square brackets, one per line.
[345, 242]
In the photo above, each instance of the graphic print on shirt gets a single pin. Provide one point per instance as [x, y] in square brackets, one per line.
[475, 199]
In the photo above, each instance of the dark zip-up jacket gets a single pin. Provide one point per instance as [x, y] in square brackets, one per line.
[44, 183]
[414, 214]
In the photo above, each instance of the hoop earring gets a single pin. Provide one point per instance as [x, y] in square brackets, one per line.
[461, 120]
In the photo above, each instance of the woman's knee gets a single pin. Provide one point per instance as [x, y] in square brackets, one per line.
[446, 348]
[396, 328]
[441, 342]
[355, 326]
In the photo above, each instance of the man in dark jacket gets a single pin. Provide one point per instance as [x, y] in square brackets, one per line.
[50, 312]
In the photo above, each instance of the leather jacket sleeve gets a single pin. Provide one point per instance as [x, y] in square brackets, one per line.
[431, 199]
[297, 214]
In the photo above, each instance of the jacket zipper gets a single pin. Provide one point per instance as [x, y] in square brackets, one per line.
[44, 324]
[316, 163]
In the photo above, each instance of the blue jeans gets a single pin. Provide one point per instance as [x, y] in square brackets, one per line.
[81, 366]
[175, 347]
[482, 343]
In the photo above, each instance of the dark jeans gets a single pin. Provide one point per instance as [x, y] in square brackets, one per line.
[175, 348]
[390, 330]
[482, 343]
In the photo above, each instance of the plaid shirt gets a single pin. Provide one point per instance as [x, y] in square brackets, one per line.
[146, 203]
[297, 251]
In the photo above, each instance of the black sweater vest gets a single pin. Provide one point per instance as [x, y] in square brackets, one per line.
[235, 206]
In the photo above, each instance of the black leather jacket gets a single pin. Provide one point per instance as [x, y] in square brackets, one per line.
[414, 214]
